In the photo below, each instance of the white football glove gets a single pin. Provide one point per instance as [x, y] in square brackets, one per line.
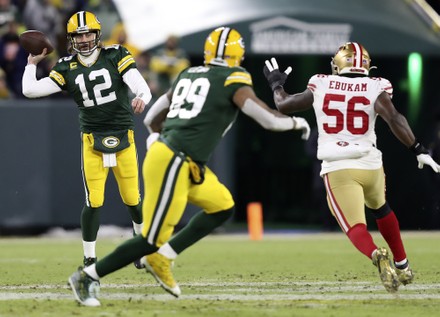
[301, 124]
[152, 138]
[428, 160]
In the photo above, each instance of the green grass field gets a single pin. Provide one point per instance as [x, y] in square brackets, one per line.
[225, 275]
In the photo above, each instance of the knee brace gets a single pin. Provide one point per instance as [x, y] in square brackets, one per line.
[382, 211]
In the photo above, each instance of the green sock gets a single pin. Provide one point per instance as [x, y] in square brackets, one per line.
[136, 213]
[90, 223]
[199, 227]
[124, 254]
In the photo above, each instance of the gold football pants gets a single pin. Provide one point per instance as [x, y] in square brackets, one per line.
[168, 189]
[95, 174]
[349, 190]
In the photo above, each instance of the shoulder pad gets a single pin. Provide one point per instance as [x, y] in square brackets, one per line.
[112, 46]
[385, 85]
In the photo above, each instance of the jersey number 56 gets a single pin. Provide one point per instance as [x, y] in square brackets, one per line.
[349, 119]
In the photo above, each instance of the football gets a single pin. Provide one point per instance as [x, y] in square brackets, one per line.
[34, 42]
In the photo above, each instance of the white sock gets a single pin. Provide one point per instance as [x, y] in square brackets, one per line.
[137, 227]
[144, 260]
[400, 263]
[91, 271]
[167, 251]
[89, 249]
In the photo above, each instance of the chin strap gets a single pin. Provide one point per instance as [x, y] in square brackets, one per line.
[89, 59]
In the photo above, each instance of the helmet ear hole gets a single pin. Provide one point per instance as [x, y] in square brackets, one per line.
[334, 67]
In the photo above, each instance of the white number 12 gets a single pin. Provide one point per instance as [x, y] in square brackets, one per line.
[97, 89]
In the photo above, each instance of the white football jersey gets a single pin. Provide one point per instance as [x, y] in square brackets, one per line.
[345, 115]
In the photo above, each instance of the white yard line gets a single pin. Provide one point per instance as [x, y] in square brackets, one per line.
[256, 291]
[298, 286]
[223, 297]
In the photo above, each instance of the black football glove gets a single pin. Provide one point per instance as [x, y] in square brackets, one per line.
[273, 75]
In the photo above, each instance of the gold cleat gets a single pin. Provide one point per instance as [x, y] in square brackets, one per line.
[405, 276]
[387, 273]
[160, 267]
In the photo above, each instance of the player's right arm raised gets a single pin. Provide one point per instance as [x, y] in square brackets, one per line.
[285, 102]
[268, 118]
[32, 87]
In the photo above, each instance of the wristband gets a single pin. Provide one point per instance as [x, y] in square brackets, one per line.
[277, 87]
[417, 148]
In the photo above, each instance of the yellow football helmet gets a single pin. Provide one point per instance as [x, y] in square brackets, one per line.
[80, 23]
[224, 47]
[351, 58]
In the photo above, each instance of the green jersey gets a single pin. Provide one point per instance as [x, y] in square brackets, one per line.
[98, 90]
[202, 110]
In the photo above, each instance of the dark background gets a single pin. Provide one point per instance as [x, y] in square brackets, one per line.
[274, 167]
[41, 184]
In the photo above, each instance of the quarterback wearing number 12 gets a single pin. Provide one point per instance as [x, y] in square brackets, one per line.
[98, 79]
[346, 104]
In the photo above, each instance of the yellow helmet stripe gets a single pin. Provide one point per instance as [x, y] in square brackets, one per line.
[57, 77]
[238, 78]
[125, 62]
[223, 37]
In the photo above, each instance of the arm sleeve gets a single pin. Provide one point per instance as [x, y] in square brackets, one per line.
[33, 88]
[266, 118]
[137, 84]
[161, 104]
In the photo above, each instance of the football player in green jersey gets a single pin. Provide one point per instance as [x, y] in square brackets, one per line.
[186, 124]
[98, 79]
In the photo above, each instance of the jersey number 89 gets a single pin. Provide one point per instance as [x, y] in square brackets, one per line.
[187, 93]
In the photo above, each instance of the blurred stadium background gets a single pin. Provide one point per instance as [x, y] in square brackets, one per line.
[40, 176]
